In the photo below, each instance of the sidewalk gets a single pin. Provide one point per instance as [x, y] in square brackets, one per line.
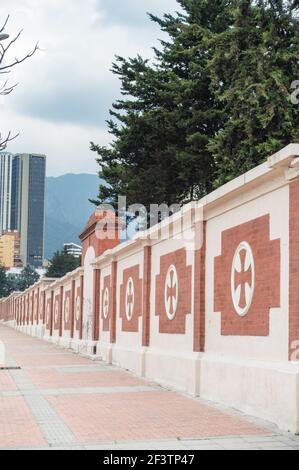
[58, 399]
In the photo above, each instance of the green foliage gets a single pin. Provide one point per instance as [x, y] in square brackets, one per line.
[3, 283]
[215, 102]
[61, 264]
[27, 278]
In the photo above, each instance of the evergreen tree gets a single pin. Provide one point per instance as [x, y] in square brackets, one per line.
[3, 283]
[61, 264]
[215, 102]
[253, 66]
[27, 278]
[168, 115]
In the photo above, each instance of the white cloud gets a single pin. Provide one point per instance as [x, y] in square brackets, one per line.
[66, 89]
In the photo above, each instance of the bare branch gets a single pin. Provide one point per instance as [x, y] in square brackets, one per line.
[4, 141]
[5, 88]
[5, 24]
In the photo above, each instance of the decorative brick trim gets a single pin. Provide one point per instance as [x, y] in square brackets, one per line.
[266, 278]
[113, 303]
[96, 304]
[131, 301]
[72, 308]
[178, 261]
[106, 307]
[146, 302]
[82, 305]
[67, 309]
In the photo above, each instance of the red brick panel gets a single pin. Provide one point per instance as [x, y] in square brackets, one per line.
[106, 303]
[96, 304]
[174, 292]
[56, 313]
[49, 313]
[263, 277]
[131, 299]
[67, 318]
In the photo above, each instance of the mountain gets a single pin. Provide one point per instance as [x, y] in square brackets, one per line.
[67, 208]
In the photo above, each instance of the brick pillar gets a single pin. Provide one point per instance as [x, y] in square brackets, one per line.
[96, 305]
[81, 306]
[199, 287]
[72, 308]
[146, 303]
[51, 312]
[61, 313]
[113, 297]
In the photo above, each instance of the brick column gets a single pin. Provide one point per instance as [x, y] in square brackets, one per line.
[51, 312]
[72, 308]
[61, 313]
[113, 297]
[146, 303]
[81, 306]
[96, 305]
[199, 287]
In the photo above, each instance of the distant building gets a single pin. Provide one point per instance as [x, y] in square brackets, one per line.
[28, 206]
[10, 250]
[73, 249]
[6, 160]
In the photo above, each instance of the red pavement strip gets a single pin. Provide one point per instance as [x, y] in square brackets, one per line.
[126, 416]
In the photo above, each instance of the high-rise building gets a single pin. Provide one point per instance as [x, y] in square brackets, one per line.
[28, 206]
[6, 160]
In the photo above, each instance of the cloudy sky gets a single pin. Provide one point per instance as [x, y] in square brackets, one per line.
[65, 91]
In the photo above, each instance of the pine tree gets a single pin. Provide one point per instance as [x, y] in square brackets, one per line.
[253, 66]
[162, 126]
[214, 104]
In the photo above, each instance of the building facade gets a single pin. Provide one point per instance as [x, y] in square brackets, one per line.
[28, 206]
[6, 160]
[73, 249]
[206, 302]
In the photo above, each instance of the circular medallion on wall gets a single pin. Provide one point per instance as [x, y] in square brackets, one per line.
[66, 310]
[243, 279]
[106, 303]
[130, 299]
[56, 311]
[78, 308]
[48, 314]
[171, 294]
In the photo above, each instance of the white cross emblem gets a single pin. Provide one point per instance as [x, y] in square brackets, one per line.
[130, 299]
[56, 311]
[48, 314]
[67, 310]
[78, 308]
[106, 303]
[243, 279]
[171, 294]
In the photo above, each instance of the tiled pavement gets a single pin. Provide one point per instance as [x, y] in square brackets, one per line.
[59, 400]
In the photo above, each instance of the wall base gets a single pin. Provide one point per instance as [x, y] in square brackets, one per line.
[269, 390]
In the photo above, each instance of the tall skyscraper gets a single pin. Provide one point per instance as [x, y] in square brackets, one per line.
[28, 205]
[6, 160]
